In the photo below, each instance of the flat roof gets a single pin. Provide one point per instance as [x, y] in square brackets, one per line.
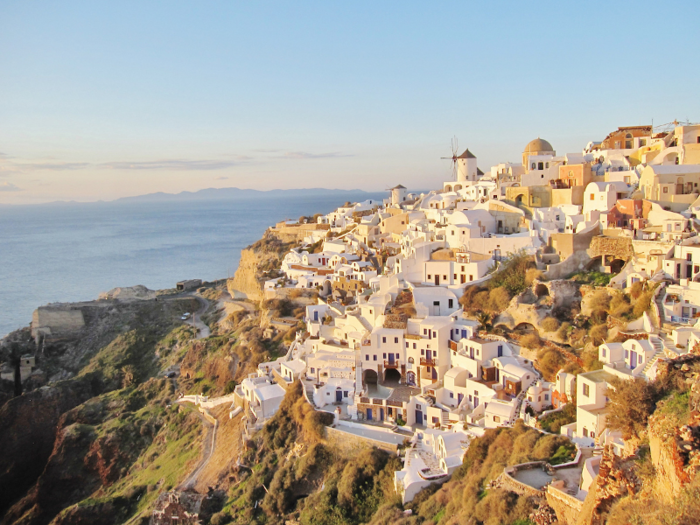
[598, 376]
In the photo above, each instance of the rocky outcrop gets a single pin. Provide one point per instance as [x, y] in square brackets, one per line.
[245, 280]
[615, 480]
[131, 293]
[259, 262]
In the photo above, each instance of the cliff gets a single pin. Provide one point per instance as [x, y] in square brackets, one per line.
[259, 262]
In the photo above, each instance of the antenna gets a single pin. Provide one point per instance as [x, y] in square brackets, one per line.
[455, 148]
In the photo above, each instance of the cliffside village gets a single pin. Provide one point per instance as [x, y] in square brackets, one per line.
[388, 348]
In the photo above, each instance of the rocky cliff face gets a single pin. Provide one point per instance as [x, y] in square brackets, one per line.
[27, 432]
[245, 280]
[259, 262]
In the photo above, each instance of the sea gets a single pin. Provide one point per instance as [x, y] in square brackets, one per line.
[72, 252]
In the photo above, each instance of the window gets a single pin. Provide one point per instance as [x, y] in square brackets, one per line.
[414, 346]
[603, 352]
[345, 393]
[406, 344]
[383, 339]
[430, 276]
[312, 370]
[585, 432]
[425, 331]
[450, 302]
[383, 356]
[367, 357]
[434, 334]
[689, 257]
[586, 390]
[418, 407]
[375, 357]
[496, 419]
[540, 165]
[452, 396]
[396, 339]
[546, 397]
[665, 190]
[533, 166]
[436, 420]
[592, 198]
[411, 360]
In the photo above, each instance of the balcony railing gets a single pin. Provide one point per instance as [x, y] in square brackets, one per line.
[391, 364]
[453, 345]
[427, 361]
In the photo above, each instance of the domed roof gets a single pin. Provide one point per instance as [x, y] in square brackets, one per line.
[538, 145]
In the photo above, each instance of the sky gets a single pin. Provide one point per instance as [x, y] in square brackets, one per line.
[101, 100]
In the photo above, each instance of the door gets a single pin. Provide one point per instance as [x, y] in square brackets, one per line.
[316, 315]
[339, 396]
[369, 414]
[633, 360]
[459, 398]
[434, 373]
[419, 417]
[476, 401]
[391, 358]
[381, 414]
[437, 280]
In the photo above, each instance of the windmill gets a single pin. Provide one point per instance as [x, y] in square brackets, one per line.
[453, 158]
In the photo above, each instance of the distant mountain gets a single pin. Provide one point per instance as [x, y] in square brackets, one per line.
[236, 193]
[219, 194]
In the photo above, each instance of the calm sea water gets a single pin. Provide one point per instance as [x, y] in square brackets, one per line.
[65, 253]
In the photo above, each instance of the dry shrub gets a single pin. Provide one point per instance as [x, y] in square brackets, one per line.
[563, 331]
[620, 306]
[550, 324]
[532, 274]
[636, 289]
[499, 299]
[598, 334]
[600, 300]
[531, 341]
[642, 303]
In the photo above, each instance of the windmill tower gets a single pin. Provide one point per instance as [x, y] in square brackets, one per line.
[463, 166]
[466, 167]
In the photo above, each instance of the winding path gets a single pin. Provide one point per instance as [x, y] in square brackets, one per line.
[208, 447]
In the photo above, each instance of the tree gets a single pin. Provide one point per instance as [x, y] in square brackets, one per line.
[631, 404]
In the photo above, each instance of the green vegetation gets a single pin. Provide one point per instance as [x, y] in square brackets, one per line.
[554, 421]
[509, 279]
[465, 498]
[593, 278]
[352, 490]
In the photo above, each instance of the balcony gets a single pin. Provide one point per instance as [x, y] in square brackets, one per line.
[391, 364]
[427, 361]
[453, 345]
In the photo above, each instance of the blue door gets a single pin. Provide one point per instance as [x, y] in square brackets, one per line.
[391, 358]
[316, 315]
[419, 417]
[633, 360]
[369, 414]
[381, 414]
[339, 396]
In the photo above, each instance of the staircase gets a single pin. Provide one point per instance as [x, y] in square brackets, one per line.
[444, 418]
[659, 300]
[654, 359]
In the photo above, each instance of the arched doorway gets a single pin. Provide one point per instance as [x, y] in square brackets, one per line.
[616, 265]
[369, 379]
[392, 377]
[411, 378]
[541, 290]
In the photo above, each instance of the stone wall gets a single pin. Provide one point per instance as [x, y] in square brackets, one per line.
[567, 507]
[616, 247]
[57, 322]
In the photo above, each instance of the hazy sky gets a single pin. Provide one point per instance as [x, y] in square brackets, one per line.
[100, 100]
